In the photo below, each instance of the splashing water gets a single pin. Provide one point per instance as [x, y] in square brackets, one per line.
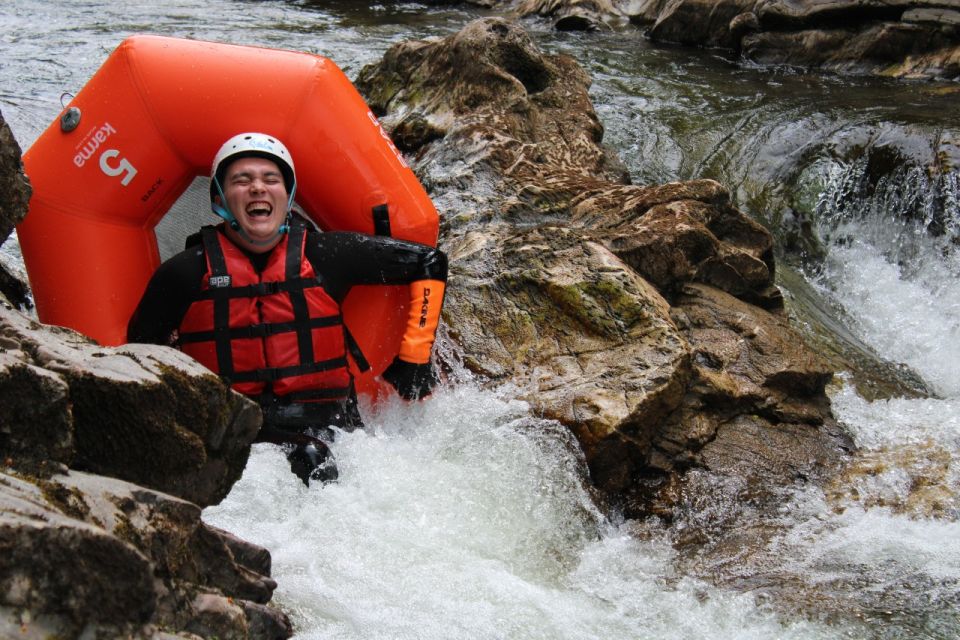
[465, 517]
[890, 531]
[893, 264]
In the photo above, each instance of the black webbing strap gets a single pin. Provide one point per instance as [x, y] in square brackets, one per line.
[271, 374]
[301, 312]
[381, 220]
[336, 393]
[263, 330]
[260, 289]
[354, 348]
[219, 278]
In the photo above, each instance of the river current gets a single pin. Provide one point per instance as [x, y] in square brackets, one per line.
[463, 516]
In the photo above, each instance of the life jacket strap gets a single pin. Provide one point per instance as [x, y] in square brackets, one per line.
[263, 330]
[271, 374]
[260, 289]
[221, 306]
[355, 351]
[381, 220]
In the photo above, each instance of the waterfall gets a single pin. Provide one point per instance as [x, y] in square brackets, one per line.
[893, 262]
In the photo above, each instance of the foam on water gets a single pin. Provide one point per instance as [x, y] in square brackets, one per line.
[914, 320]
[893, 535]
[465, 517]
[893, 264]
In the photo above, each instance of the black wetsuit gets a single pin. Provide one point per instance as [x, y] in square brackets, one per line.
[340, 259]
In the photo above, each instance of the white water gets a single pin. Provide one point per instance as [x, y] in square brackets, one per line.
[897, 535]
[900, 285]
[464, 517]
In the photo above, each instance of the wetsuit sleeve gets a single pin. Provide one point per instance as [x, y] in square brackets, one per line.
[172, 288]
[346, 259]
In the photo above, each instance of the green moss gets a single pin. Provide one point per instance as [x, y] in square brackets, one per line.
[68, 500]
[131, 430]
[602, 306]
[200, 400]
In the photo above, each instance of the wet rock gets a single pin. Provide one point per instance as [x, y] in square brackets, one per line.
[872, 376]
[910, 480]
[699, 22]
[100, 557]
[791, 13]
[902, 38]
[141, 413]
[15, 193]
[755, 409]
[680, 232]
[644, 318]
[591, 342]
[15, 188]
[501, 107]
[92, 555]
[573, 15]
[45, 560]
[899, 38]
[896, 49]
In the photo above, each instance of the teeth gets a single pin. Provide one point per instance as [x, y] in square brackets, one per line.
[259, 209]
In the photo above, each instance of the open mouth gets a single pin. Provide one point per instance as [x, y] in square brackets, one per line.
[259, 209]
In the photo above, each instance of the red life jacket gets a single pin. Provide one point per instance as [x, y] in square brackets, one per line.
[276, 331]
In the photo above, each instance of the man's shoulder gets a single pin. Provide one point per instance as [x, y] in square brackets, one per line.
[186, 265]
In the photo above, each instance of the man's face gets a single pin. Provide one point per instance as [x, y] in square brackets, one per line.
[257, 197]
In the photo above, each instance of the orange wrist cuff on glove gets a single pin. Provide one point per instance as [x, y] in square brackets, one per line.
[426, 301]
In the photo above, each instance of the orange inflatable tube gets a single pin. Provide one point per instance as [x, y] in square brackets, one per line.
[150, 121]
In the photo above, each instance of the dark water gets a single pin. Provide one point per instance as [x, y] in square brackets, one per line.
[858, 179]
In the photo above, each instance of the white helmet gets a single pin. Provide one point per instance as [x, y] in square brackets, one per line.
[245, 145]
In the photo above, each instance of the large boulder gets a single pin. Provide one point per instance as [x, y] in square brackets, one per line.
[142, 413]
[645, 318]
[15, 188]
[898, 38]
[574, 15]
[587, 340]
[91, 556]
[15, 193]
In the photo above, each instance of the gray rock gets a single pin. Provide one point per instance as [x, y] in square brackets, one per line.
[950, 17]
[15, 190]
[91, 555]
[142, 413]
[86, 553]
[900, 38]
[573, 15]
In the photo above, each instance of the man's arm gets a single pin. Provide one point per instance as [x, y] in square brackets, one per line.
[347, 259]
[172, 288]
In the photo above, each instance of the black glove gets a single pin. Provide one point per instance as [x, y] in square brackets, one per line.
[412, 381]
[312, 461]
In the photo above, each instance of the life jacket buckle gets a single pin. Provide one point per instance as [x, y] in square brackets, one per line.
[271, 288]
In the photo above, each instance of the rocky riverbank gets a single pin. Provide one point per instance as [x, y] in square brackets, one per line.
[644, 318]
